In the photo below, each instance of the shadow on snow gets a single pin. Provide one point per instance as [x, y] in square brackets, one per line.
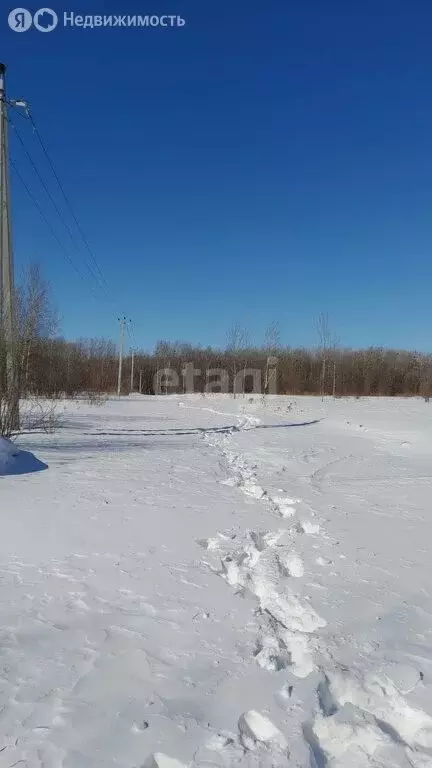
[134, 442]
[197, 430]
[22, 463]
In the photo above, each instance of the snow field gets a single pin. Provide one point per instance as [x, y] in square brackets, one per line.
[209, 582]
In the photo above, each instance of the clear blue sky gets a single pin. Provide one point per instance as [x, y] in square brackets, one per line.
[271, 160]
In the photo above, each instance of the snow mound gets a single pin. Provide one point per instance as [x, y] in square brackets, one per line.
[159, 760]
[255, 727]
[13, 461]
[8, 455]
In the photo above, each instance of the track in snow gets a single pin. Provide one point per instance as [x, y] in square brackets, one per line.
[190, 587]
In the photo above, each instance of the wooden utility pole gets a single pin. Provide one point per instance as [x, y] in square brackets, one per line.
[7, 309]
[140, 383]
[120, 365]
[132, 371]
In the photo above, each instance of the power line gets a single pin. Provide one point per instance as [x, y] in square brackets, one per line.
[102, 283]
[133, 334]
[53, 232]
[66, 198]
[53, 202]
[129, 330]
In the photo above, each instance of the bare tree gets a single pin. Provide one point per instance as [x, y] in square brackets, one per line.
[237, 343]
[36, 317]
[271, 346]
[323, 330]
[335, 343]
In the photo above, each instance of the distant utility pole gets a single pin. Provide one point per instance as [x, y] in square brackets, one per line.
[7, 309]
[122, 321]
[166, 378]
[132, 371]
[140, 383]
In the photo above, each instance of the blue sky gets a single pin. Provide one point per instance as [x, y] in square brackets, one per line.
[270, 160]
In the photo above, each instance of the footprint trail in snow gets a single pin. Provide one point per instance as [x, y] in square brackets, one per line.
[360, 720]
[267, 565]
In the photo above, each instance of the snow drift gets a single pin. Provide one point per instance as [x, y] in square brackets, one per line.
[13, 461]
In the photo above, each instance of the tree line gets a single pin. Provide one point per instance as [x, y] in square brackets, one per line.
[56, 366]
[46, 365]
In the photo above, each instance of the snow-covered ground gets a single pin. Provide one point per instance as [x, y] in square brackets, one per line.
[190, 581]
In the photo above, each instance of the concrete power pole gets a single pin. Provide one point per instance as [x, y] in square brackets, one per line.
[7, 309]
[132, 371]
[120, 365]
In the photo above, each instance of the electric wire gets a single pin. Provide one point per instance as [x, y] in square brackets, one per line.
[28, 115]
[66, 198]
[48, 194]
[50, 228]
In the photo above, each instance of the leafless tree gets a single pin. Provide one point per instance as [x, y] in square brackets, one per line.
[271, 346]
[324, 337]
[237, 343]
[328, 346]
[34, 319]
